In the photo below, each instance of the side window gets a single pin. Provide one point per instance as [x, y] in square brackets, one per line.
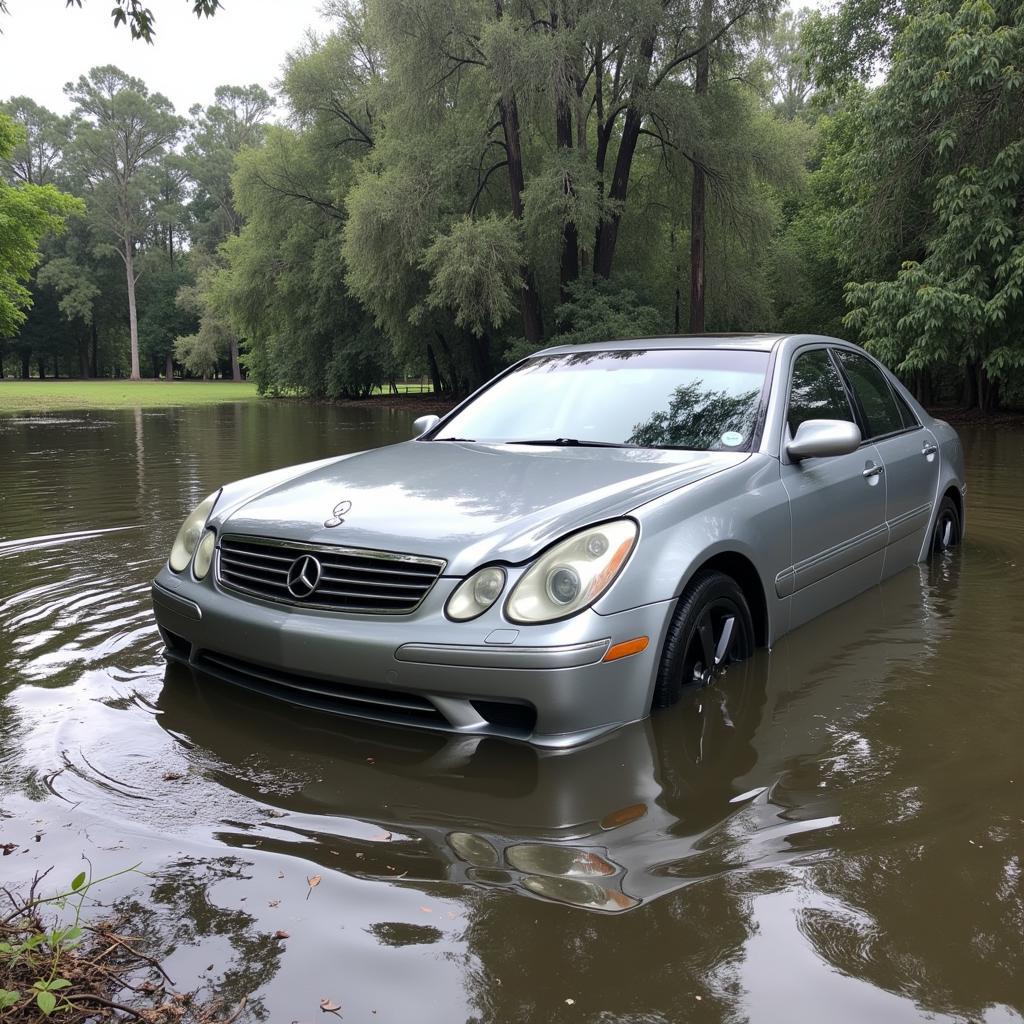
[909, 419]
[876, 398]
[816, 392]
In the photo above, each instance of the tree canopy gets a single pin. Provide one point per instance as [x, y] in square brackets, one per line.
[451, 184]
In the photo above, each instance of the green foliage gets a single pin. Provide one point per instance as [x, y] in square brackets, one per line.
[27, 213]
[38, 951]
[475, 271]
[949, 123]
[596, 312]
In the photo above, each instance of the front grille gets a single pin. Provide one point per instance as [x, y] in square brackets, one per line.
[393, 706]
[344, 579]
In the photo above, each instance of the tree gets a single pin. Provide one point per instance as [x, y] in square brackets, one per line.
[140, 19]
[945, 136]
[235, 121]
[121, 135]
[28, 212]
[36, 158]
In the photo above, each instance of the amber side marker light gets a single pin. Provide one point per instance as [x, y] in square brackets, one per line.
[626, 648]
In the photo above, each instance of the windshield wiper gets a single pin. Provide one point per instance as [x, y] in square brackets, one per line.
[571, 442]
[471, 440]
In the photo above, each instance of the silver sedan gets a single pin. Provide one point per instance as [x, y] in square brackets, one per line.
[594, 530]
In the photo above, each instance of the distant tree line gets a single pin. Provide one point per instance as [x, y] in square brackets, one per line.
[457, 182]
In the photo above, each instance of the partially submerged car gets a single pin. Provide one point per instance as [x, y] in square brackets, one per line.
[596, 528]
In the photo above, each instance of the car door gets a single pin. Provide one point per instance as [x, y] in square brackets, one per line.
[909, 454]
[837, 504]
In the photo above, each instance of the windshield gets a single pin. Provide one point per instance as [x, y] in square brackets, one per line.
[703, 399]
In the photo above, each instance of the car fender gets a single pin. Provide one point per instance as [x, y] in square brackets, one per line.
[743, 511]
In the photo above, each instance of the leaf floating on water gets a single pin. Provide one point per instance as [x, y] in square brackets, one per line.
[274, 903]
[329, 1006]
[312, 881]
[282, 934]
[426, 910]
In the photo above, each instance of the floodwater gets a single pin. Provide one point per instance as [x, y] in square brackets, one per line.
[832, 832]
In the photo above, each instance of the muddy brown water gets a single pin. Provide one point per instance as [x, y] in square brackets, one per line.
[833, 832]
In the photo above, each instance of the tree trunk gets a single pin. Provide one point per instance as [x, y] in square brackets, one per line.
[569, 267]
[608, 229]
[133, 319]
[529, 299]
[95, 350]
[236, 368]
[678, 311]
[435, 373]
[697, 251]
[969, 395]
[56, 365]
[42, 367]
[698, 199]
[169, 367]
[83, 356]
[26, 365]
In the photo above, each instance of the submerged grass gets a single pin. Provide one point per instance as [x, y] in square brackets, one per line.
[41, 396]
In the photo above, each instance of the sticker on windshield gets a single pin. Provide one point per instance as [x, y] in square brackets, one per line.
[732, 438]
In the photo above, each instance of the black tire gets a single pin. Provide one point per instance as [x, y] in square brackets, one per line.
[948, 529]
[709, 602]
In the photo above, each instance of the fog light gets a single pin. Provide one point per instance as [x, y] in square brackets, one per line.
[473, 849]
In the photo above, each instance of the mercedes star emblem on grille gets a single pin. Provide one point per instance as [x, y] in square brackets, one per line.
[341, 509]
[303, 577]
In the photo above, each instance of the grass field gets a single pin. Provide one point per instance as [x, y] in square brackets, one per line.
[21, 396]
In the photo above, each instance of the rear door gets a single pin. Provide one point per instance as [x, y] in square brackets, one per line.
[908, 451]
[837, 503]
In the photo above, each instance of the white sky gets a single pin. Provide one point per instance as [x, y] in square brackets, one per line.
[44, 45]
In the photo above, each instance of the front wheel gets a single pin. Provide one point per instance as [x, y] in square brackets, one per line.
[947, 531]
[712, 627]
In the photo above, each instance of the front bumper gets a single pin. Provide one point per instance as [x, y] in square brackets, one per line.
[546, 684]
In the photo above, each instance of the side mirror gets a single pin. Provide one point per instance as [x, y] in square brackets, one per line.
[818, 439]
[424, 423]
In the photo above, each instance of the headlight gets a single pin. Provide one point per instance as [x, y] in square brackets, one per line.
[475, 594]
[191, 533]
[573, 574]
[562, 861]
[204, 555]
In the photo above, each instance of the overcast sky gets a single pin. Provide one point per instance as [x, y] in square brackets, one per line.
[44, 45]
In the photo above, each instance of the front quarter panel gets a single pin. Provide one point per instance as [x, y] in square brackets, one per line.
[743, 510]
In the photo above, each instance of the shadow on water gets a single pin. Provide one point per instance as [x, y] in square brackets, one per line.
[833, 828]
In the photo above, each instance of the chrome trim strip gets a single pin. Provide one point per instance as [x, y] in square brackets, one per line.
[334, 549]
[460, 655]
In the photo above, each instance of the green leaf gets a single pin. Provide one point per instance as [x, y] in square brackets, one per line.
[58, 983]
[78, 882]
[46, 1001]
[8, 998]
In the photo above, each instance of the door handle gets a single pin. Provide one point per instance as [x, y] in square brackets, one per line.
[873, 471]
[929, 449]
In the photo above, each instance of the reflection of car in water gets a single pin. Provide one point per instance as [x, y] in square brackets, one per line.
[632, 816]
[598, 527]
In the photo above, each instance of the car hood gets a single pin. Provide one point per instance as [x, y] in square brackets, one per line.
[467, 503]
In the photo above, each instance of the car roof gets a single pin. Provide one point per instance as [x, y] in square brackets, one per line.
[749, 341]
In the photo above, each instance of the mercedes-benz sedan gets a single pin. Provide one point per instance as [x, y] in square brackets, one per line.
[594, 530]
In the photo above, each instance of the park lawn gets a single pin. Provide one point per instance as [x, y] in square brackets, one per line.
[22, 396]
